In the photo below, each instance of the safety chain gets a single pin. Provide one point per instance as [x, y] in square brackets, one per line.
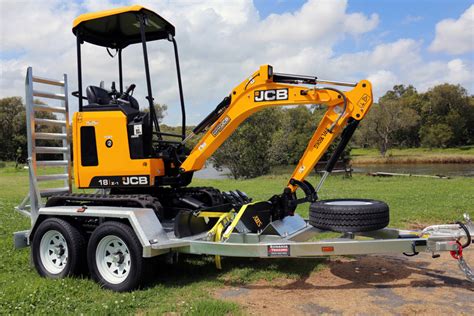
[458, 255]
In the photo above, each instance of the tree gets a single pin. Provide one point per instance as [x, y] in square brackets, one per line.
[384, 121]
[247, 152]
[394, 121]
[160, 110]
[407, 97]
[13, 128]
[448, 107]
[294, 129]
[438, 135]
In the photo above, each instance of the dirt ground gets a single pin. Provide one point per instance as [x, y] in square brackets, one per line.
[365, 285]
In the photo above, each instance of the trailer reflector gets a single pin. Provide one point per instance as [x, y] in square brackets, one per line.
[327, 249]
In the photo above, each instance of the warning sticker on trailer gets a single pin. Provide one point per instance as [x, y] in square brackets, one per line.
[278, 250]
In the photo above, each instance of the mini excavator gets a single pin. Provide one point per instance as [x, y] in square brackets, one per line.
[120, 148]
[144, 206]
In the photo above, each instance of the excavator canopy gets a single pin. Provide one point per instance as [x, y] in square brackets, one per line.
[120, 27]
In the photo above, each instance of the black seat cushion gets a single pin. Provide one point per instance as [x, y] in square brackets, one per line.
[97, 95]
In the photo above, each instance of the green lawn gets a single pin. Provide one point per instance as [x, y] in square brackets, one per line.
[187, 287]
[412, 155]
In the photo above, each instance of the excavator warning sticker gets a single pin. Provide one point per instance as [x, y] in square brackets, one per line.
[278, 250]
[363, 100]
[137, 130]
[220, 126]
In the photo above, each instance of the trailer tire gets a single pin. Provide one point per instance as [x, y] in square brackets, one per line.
[349, 215]
[115, 257]
[58, 249]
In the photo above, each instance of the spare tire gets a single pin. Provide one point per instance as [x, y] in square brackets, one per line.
[349, 215]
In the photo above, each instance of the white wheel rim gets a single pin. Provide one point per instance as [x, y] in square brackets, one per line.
[348, 203]
[53, 252]
[113, 259]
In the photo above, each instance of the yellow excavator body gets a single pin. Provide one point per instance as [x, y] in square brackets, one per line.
[102, 153]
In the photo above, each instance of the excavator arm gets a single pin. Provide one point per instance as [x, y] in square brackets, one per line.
[265, 89]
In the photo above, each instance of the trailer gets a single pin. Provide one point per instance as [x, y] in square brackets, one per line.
[127, 236]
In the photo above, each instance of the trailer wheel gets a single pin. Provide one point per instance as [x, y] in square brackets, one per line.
[114, 256]
[349, 215]
[58, 249]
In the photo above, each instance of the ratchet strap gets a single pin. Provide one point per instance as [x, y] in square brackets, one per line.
[217, 232]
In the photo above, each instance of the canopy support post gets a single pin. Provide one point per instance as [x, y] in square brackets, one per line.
[120, 70]
[153, 117]
[79, 69]
[180, 86]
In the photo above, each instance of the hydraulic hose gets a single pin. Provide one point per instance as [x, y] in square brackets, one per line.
[468, 235]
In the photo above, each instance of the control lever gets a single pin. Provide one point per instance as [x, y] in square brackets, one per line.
[125, 96]
[130, 89]
[113, 92]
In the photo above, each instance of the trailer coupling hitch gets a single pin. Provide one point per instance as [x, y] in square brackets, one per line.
[454, 238]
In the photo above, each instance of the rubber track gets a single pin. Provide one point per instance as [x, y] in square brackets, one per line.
[138, 200]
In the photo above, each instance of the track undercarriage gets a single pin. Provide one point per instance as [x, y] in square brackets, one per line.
[177, 206]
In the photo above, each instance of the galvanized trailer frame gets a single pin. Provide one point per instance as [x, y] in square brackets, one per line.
[283, 238]
[290, 237]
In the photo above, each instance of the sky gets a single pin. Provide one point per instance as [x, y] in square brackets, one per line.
[221, 43]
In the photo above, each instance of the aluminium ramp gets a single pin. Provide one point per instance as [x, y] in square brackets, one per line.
[46, 149]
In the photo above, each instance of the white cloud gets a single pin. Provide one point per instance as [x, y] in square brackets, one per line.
[403, 51]
[455, 36]
[220, 44]
[458, 72]
[382, 81]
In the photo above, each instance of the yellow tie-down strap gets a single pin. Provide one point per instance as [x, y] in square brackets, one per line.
[217, 232]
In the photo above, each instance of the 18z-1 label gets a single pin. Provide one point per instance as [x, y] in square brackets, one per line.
[271, 95]
[113, 181]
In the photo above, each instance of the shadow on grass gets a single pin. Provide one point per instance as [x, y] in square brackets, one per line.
[235, 271]
[376, 272]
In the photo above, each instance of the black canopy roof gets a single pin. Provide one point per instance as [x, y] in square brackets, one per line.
[119, 28]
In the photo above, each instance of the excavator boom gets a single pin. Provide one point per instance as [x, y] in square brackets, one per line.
[265, 89]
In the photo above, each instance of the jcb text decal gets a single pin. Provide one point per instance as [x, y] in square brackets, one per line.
[114, 181]
[135, 180]
[321, 138]
[271, 95]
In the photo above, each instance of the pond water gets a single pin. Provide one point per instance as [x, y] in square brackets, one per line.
[209, 172]
[451, 170]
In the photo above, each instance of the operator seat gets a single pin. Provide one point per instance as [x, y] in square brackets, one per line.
[97, 95]
[99, 99]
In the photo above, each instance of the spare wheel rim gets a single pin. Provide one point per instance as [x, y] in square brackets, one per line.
[349, 203]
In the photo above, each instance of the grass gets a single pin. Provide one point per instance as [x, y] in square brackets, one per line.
[414, 155]
[187, 287]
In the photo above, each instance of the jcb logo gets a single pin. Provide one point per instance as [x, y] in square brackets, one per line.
[257, 221]
[271, 95]
[135, 180]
